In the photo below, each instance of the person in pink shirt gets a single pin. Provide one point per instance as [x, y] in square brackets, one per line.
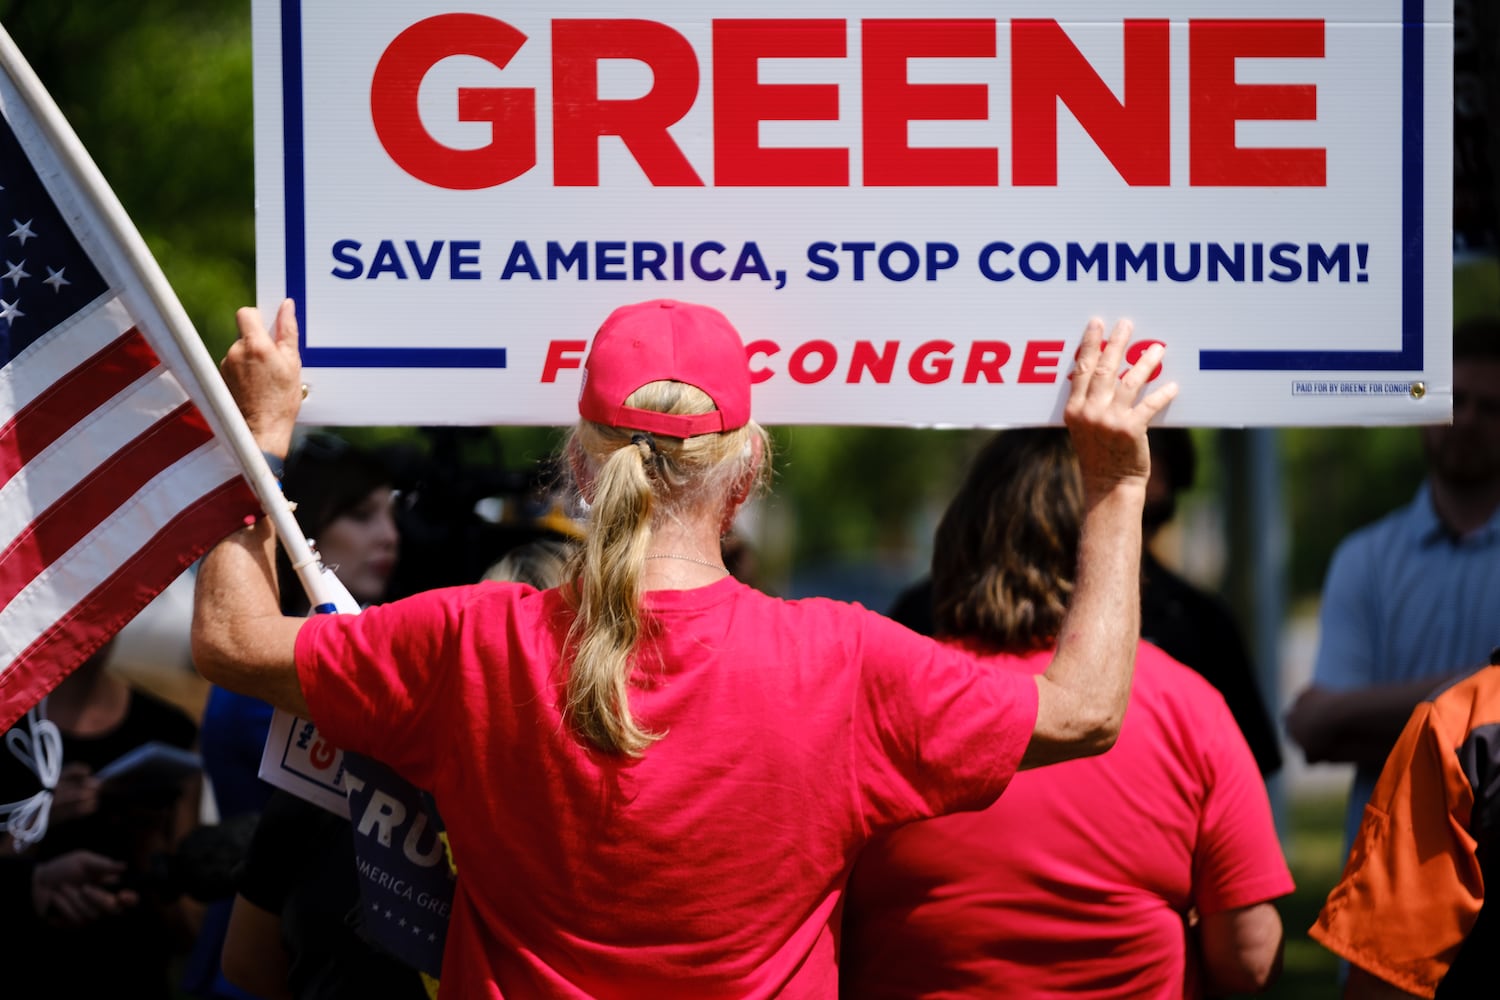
[1146, 872]
[655, 778]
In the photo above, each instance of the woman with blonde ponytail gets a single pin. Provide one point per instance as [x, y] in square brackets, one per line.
[644, 489]
[656, 777]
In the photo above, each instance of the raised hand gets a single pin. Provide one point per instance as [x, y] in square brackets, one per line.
[264, 373]
[1105, 413]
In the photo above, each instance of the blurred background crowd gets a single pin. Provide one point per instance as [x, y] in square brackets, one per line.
[160, 92]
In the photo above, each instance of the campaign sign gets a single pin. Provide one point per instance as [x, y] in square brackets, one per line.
[405, 883]
[298, 759]
[908, 209]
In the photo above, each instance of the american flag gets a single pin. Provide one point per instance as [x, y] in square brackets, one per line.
[111, 480]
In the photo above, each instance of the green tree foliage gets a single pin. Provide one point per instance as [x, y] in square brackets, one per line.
[860, 489]
[1337, 480]
[159, 92]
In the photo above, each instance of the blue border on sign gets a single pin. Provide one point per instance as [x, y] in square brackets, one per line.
[1410, 357]
[293, 154]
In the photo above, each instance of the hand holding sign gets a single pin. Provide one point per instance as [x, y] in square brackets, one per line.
[1103, 416]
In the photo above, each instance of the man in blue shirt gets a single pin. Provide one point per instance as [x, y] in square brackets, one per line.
[1410, 601]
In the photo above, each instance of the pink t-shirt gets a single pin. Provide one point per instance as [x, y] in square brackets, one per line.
[1077, 882]
[712, 866]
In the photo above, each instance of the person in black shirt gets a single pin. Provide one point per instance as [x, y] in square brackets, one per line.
[138, 824]
[1194, 626]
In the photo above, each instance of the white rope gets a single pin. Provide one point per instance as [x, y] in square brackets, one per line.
[39, 747]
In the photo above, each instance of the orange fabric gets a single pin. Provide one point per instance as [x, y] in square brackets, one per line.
[1412, 888]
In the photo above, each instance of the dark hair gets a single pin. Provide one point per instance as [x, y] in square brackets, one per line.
[1173, 448]
[1477, 339]
[325, 477]
[1006, 550]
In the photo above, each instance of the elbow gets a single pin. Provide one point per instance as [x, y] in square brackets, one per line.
[207, 652]
[1099, 733]
[1069, 727]
[1108, 731]
[1310, 723]
[1266, 977]
[1310, 737]
[207, 635]
[1243, 951]
[1255, 975]
[218, 652]
[1266, 973]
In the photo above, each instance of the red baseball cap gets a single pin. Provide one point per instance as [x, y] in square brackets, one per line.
[666, 339]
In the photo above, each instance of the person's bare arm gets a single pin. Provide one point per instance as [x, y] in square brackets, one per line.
[241, 641]
[1081, 697]
[1357, 726]
[1365, 986]
[1241, 949]
[254, 959]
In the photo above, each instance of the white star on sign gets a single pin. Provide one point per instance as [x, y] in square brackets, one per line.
[56, 279]
[10, 310]
[23, 231]
[16, 272]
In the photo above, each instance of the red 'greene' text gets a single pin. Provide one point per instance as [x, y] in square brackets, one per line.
[1133, 132]
[929, 362]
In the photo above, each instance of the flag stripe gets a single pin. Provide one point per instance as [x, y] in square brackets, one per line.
[72, 577]
[70, 637]
[50, 476]
[98, 495]
[71, 398]
[50, 358]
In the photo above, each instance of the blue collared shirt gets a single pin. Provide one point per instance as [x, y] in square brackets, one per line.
[1406, 599]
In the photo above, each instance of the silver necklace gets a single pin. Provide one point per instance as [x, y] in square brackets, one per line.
[700, 562]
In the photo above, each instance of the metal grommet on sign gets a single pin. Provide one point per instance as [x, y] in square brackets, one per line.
[1418, 390]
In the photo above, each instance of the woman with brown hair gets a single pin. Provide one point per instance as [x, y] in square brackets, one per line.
[654, 777]
[1145, 872]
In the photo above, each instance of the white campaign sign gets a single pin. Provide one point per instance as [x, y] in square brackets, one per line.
[909, 210]
[296, 757]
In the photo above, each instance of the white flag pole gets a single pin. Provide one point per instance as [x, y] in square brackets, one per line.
[212, 392]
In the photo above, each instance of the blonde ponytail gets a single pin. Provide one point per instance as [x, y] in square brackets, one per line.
[634, 485]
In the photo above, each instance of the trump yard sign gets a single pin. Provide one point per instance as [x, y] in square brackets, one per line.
[909, 210]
